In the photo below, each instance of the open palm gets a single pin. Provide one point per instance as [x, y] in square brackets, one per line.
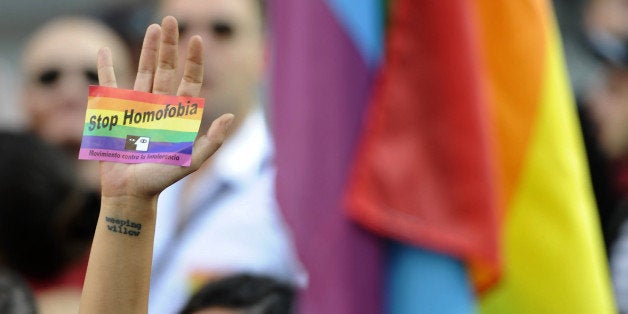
[156, 73]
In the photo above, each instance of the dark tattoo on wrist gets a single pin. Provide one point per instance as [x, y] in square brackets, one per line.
[123, 226]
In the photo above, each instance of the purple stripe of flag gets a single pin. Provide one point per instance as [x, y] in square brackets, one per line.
[320, 90]
[114, 143]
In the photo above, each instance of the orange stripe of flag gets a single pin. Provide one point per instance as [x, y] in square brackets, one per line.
[120, 105]
[102, 91]
[513, 48]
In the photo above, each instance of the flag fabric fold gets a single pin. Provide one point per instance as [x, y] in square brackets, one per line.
[554, 259]
[469, 158]
[423, 173]
[471, 149]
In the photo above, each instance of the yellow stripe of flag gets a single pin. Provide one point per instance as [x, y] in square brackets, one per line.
[173, 124]
[553, 253]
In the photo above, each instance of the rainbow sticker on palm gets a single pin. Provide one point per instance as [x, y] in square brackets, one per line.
[137, 127]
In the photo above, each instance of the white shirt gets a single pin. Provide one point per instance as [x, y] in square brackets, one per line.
[235, 225]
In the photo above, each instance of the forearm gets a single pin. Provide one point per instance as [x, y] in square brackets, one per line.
[118, 273]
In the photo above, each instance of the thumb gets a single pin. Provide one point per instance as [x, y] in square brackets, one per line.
[208, 144]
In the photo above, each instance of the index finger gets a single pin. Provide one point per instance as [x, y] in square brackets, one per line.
[106, 76]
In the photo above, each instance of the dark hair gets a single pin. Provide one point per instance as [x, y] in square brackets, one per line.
[252, 293]
[40, 204]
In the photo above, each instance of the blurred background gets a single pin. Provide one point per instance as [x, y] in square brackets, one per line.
[321, 90]
[20, 17]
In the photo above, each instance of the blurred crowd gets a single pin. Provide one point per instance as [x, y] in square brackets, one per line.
[51, 199]
[204, 255]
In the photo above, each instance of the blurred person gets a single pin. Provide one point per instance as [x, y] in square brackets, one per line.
[119, 271]
[224, 218]
[606, 28]
[44, 196]
[120, 263]
[40, 221]
[58, 64]
[609, 107]
[242, 293]
[606, 23]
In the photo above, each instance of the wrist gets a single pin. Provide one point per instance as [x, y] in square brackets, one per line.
[134, 205]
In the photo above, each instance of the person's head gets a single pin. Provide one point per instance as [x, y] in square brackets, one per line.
[607, 16]
[606, 29]
[234, 40]
[242, 294]
[59, 62]
[41, 226]
[608, 103]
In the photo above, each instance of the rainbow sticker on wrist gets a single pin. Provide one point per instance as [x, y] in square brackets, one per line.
[137, 127]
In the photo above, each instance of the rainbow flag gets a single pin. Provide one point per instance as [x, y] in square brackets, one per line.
[423, 174]
[553, 256]
[470, 159]
[136, 127]
[472, 149]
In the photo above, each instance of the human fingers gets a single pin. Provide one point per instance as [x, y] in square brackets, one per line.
[167, 59]
[106, 76]
[148, 59]
[193, 70]
[208, 144]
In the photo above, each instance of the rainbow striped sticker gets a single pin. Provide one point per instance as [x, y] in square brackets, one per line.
[137, 127]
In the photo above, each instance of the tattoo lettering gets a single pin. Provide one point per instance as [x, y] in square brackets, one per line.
[122, 226]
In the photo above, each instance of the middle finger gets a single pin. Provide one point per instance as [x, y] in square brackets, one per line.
[167, 60]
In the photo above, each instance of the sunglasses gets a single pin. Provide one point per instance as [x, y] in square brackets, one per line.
[222, 30]
[51, 76]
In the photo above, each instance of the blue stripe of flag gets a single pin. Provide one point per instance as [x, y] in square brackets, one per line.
[363, 20]
[422, 281]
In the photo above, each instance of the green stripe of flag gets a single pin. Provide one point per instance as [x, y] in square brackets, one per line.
[155, 135]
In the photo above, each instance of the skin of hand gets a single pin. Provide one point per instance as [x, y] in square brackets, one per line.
[118, 273]
[156, 71]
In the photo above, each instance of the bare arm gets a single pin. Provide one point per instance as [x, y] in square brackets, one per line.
[118, 273]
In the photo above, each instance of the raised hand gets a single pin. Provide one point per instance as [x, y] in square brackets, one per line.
[157, 74]
[118, 273]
